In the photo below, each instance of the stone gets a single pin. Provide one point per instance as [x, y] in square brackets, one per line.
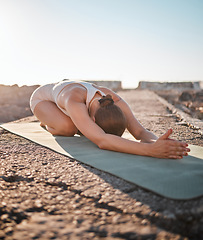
[186, 96]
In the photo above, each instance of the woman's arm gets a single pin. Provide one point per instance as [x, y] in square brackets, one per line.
[164, 144]
[133, 125]
[162, 148]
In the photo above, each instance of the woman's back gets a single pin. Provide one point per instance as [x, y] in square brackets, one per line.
[80, 91]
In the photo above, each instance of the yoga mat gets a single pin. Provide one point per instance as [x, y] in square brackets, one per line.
[175, 179]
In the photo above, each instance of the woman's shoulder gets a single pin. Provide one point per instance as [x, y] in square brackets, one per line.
[76, 92]
[72, 93]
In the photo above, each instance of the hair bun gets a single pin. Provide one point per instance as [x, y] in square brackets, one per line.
[106, 100]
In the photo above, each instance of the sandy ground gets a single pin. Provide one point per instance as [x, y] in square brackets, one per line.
[45, 195]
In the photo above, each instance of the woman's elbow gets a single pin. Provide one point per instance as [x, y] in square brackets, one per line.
[102, 144]
[140, 134]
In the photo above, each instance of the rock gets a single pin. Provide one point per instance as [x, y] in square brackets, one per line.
[199, 96]
[4, 217]
[8, 230]
[14, 102]
[186, 96]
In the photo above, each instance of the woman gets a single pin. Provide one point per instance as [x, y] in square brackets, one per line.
[69, 107]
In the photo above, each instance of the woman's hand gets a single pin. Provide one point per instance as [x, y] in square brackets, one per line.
[165, 147]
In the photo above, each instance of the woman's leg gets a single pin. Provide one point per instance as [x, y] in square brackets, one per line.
[55, 121]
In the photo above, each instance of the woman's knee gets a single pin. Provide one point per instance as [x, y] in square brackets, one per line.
[56, 121]
[66, 128]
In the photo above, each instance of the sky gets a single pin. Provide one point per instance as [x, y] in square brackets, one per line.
[44, 41]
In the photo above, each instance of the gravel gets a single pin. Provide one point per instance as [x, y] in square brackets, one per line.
[45, 195]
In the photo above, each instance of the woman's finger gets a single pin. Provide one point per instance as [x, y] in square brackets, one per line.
[178, 145]
[166, 135]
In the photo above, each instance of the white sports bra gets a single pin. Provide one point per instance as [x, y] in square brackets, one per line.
[91, 91]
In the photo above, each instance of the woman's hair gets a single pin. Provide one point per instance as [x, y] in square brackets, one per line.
[110, 117]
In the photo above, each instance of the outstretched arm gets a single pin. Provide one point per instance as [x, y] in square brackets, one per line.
[133, 125]
[162, 148]
[171, 148]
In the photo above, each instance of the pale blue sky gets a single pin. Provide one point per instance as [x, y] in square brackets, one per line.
[44, 41]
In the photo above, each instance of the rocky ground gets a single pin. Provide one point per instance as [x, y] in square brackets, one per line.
[189, 101]
[45, 195]
[14, 102]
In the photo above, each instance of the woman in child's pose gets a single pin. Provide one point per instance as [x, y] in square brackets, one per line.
[69, 107]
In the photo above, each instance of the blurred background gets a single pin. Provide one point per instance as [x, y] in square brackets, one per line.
[144, 44]
[43, 41]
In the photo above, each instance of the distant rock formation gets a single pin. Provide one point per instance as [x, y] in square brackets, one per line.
[14, 102]
[197, 85]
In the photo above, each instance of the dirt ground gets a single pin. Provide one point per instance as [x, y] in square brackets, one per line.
[45, 195]
[189, 101]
